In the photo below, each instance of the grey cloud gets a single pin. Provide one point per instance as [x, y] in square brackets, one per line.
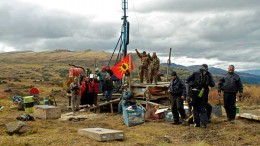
[225, 30]
[187, 6]
[31, 28]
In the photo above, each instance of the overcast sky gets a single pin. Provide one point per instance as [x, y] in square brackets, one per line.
[216, 32]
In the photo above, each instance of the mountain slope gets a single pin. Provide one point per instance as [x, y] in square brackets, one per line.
[248, 78]
[255, 72]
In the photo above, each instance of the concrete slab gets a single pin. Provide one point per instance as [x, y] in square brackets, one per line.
[46, 112]
[102, 134]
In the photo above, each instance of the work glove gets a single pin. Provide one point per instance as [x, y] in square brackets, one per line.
[182, 97]
[240, 96]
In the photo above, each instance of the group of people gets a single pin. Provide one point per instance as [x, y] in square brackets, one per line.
[149, 67]
[196, 93]
[84, 93]
[84, 89]
[198, 89]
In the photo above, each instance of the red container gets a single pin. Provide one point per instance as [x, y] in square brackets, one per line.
[34, 91]
[74, 72]
[151, 108]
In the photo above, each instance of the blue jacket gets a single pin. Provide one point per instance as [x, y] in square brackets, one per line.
[125, 95]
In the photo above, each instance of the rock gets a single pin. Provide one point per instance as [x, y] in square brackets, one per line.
[14, 127]
[8, 90]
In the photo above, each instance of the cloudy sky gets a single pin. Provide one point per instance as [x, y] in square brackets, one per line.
[217, 32]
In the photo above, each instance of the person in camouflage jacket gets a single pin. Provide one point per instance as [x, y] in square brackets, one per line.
[143, 68]
[154, 67]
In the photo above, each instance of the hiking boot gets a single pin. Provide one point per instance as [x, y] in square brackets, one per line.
[226, 120]
[175, 123]
[184, 123]
[232, 121]
[203, 126]
[196, 125]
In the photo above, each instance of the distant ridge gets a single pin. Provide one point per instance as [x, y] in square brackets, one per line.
[250, 77]
[255, 72]
[13, 52]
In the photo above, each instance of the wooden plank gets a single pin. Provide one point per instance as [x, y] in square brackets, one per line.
[103, 104]
[99, 105]
[138, 103]
[101, 134]
[111, 108]
[249, 116]
[159, 84]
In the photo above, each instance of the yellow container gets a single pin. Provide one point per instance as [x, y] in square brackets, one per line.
[28, 104]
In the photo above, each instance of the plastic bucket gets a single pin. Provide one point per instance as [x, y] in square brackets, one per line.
[28, 104]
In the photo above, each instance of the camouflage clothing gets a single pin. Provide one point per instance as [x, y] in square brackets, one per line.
[143, 69]
[75, 95]
[154, 67]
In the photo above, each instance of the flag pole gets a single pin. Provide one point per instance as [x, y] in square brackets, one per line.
[130, 66]
[168, 64]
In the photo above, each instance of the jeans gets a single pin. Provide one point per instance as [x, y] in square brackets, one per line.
[109, 95]
[121, 104]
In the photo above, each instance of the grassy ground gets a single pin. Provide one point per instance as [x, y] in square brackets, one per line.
[20, 73]
[153, 132]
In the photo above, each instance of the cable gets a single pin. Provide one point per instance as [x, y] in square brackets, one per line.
[138, 25]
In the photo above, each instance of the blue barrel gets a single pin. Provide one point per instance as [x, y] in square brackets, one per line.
[45, 100]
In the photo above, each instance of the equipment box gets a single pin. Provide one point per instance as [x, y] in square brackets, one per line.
[151, 109]
[46, 112]
[101, 134]
[133, 115]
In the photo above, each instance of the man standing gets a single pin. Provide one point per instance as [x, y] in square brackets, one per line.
[144, 66]
[75, 95]
[124, 98]
[178, 92]
[230, 84]
[154, 67]
[201, 80]
[108, 87]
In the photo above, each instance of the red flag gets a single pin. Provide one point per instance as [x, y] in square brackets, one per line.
[122, 67]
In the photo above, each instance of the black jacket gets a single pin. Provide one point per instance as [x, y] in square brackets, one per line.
[108, 84]
[177, 87]
[230, 82]
[201, 79]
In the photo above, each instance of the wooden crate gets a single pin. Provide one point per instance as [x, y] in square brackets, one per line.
[101, 134]
[46, 112]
